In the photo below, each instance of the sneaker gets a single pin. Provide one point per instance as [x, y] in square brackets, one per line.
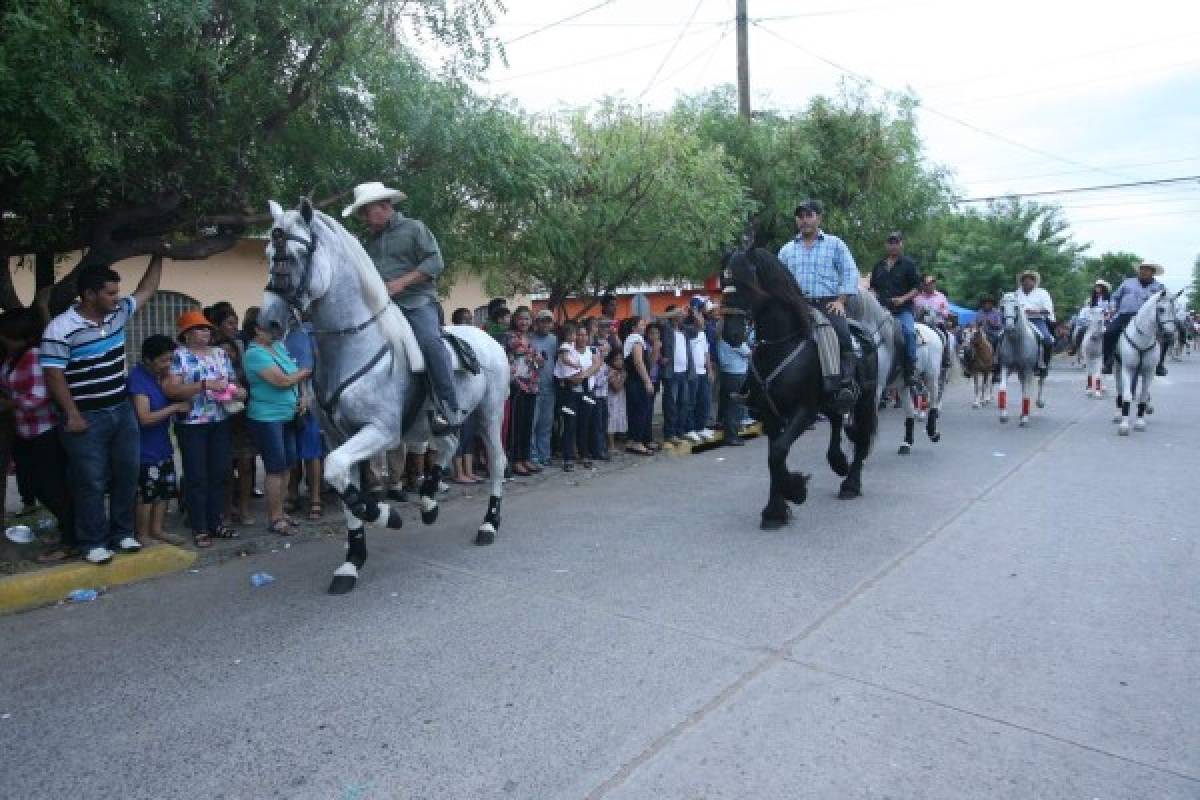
[693, 436]
[128, 545]
[589, 400]
[747, 422]
[98, 555]
[708, 434]
[569, 412]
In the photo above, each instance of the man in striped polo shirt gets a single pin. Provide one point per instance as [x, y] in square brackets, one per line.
[83, 358]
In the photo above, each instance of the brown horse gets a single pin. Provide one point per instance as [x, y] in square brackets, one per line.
[979, 359]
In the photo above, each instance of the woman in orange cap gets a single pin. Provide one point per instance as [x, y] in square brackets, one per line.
[203, 375]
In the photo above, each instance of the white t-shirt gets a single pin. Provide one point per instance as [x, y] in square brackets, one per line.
[699, 347]
[681, 343]
[1037, 301]
[634, 338]
[585, 363]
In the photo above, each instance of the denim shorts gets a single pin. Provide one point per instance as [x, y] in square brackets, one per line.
[308, 438]
[276, 444]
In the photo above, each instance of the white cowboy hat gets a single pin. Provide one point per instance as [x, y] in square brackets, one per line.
[1158, 268]
[372, 192]
[1104, 283]
[1033, 273]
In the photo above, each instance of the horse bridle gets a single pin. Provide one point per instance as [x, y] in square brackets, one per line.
[280, 279]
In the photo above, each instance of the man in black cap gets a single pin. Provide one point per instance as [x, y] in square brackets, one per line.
[895, 283]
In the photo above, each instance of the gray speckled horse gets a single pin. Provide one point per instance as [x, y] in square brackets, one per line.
[1018, 352]
[370, 398]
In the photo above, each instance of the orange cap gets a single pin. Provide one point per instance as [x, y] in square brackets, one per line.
[193, 318]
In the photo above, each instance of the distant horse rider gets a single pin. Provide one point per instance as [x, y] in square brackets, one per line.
[409, 261]
[895, 282]
[1126, 301]
[1039, 309]
[991, 320]
[825, 270]
[931, 300]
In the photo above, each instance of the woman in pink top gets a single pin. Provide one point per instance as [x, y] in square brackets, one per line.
[930, 298]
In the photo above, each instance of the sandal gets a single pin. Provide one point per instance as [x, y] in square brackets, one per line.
[201, 540]
[524, 473]
[224, 532]
[54, 556]
[280, 527]
[315, 511]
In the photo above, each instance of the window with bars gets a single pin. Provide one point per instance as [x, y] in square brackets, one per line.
[157, 316]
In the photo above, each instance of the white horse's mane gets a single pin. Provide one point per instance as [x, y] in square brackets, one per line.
[345, 247]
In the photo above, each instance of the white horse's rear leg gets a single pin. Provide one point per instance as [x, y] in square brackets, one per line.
[1023, 380]
[910, 421]
[1143, 402]
[497, 463]
[1041, 386]
[1002, 394]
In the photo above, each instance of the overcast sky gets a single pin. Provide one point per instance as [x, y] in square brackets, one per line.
[1086, 93]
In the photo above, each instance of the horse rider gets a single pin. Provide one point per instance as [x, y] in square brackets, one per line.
[895, 282]
[931, 300]
[827, 275]
[1039, 309]
[409, 261]
[989, 318]
[1126, 301]
[1101, 292]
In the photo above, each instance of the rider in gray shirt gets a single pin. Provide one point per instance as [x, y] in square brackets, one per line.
[409, 261]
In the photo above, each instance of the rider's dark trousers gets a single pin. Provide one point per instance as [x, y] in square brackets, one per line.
[424, 322]
[1113, 332]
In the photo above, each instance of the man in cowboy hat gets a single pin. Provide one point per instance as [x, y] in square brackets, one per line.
[1126, 301]
[409, 261]
[895, 282]
[1039, 309]
[827, 275]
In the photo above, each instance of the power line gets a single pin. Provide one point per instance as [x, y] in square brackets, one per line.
[1076, 189]
[558, 22]
[671, 51]
[708, 49]
[998, 179]
[587, 61]
[969, 126]
[1195, 211]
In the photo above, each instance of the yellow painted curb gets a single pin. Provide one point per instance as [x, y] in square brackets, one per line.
[49, 585]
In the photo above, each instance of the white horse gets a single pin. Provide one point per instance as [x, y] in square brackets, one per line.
[370, 397]
[1018, 352]
[1091, 350]
[926, 401]
[1138, 352]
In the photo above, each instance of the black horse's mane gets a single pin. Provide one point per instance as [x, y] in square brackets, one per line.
[765, 277]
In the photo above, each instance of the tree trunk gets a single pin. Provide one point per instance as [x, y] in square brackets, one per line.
[43, 270]
[8, 292]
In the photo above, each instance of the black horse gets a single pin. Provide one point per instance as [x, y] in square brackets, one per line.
[784, 382]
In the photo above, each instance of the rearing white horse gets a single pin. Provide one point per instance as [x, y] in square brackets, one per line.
[370, 399]
[1138, 352]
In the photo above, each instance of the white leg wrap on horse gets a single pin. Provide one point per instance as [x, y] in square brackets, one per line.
[346, 570]
[487, 527]
[428, 504]
[353, 523]
[384, 511]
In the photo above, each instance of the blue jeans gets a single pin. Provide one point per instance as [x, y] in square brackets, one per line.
[685, 402]
[428, 330]
[908, 327]
[543, 424]
[104, 459]
[207, 458]
[668, 404]
[1043, 328]
[702, 403]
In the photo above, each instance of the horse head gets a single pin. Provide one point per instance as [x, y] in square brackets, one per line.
[755, 279]
[1164, 314]
[299, 274]
[1010, 309]
[737, 301]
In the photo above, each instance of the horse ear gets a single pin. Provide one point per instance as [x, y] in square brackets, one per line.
[306, 210]
[276, 212]
[1180, 292]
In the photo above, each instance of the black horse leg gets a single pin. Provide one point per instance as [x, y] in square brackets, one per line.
[931, 428]
[866, 419]
[785, 485]
[345, 577]
[834, 455]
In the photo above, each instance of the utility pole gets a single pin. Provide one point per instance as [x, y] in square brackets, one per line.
[743, 61]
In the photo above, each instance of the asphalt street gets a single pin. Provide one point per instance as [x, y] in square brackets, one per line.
[1009, 613]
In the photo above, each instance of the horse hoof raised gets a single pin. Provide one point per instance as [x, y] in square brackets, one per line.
[1041, 403]
[1140, 425]
[1149, 409]
[1123, 430]
[429, 510]
[904, 449]
[394, 521]
[485, 535]
[935, 437]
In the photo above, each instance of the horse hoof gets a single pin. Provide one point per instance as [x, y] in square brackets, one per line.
[485, 535]
[772, 523]
[1140, 425]
[1123, 430]
[429, 510]
[905, 449]
[1024, 421]
[849, 493]
[1117, 419]
[1003, 419]
[976, 404]
[394, 521]
[1041, 403]
[935, 437]
[1149, 409]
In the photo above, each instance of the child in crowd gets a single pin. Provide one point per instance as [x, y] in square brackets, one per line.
[618, 423]
[157, 483]
[599, 428]
[463, 464]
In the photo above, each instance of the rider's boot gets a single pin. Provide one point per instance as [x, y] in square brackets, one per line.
[442, 418]
[910, 374]
[844, 388]
[1108, 366]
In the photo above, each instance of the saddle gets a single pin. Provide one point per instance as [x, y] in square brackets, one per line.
[462, 355]
[829, 349]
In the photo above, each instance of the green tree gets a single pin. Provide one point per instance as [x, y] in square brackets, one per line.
[1112, 267]
[130, 127]
[1194, 289]
[982, 252]
[642, 200]
[863, 160]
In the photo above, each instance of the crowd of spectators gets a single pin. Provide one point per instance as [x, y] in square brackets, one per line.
[203, 415]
